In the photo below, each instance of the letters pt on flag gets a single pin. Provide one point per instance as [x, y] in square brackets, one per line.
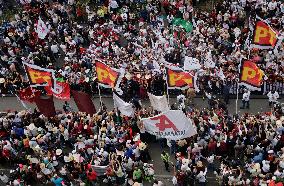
[172, 125]
[251, 75]
[107, 76]
[179, 79]
[38, 76]
[264, 37]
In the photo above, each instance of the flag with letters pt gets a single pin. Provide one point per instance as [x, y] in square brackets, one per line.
[172, 125]
[38, 76]
[251, 75]
[264, 36]
[178, 78]
[107, 77]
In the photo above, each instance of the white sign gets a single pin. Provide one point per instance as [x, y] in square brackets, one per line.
[191, 63]
[172, 125]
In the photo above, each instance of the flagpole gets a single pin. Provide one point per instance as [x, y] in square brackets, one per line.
[237, 97]
[168, 96]
[100, 95]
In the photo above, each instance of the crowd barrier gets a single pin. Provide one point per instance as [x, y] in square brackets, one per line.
[265, 88]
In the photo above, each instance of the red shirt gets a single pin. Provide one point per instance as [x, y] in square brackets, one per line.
[92, 176]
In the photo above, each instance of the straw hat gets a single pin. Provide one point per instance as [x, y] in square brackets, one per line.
[142, 146]
[199, 164]
[68, 158]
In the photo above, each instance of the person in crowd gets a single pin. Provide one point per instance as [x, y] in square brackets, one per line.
[166, 159]
[272, 97]
[245, 99]
[140, 38]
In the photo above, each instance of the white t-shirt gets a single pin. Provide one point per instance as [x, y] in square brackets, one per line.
[113, 4]
[272, 5]
[54, 49]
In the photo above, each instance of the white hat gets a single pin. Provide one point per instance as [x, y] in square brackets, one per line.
[2, 80]
[58, 152]
[270, 152]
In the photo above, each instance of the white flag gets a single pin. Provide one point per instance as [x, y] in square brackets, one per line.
[208, 62]
[41, 29]
[24, 2]
[124, 107]
[172, 125]
[159, 103]
[220, 74]
[191, 63]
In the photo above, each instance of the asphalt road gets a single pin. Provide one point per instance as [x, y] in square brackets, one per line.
[257, 105]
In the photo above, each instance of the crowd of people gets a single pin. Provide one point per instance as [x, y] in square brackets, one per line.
[138, 36]
[75, 148]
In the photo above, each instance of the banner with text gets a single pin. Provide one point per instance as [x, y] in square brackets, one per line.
[172, 125]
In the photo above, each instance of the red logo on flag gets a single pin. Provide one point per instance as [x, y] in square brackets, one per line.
[164, 123]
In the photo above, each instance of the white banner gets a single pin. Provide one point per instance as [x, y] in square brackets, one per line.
[124, 107]
[159, 103]
[41, 29]
[191, 63]
[24, 2]
[208, 61]
[172, 125]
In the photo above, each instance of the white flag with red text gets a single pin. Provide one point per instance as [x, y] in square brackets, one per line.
[172, 125]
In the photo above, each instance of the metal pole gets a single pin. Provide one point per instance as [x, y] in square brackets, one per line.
[100, 95]
[237, 98]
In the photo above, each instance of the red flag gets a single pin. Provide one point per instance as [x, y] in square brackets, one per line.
[84, 102]
[29, 94]
[46, 106]
[64, 94]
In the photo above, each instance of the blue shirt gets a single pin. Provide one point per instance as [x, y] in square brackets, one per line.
[57, 181]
